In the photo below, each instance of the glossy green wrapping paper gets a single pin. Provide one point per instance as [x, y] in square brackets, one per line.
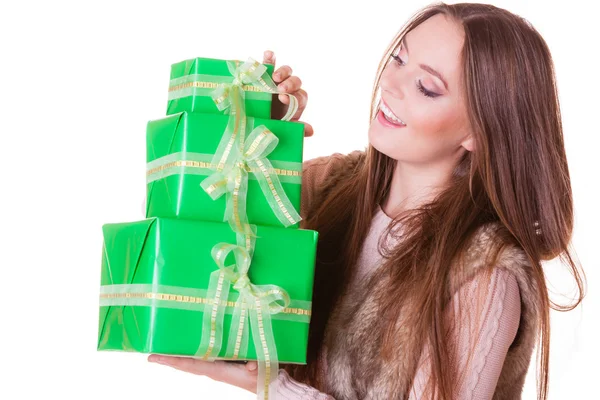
[154, 272]
[192, 81]
[179, 149]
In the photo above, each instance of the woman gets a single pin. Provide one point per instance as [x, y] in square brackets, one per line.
[429, 281]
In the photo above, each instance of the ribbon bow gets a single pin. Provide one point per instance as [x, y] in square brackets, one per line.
[234, 182]
[249, 73]
[255, 302]
[230, 97]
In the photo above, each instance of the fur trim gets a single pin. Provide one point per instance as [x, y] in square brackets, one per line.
[354, 330]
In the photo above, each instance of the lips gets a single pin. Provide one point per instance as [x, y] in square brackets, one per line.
[390, 116]
[383, 121]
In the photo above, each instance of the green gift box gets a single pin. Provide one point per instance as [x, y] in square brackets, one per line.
[180, 148]
[192, 82]
[155, 275]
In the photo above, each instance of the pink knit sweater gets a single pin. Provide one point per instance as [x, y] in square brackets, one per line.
[486, 337]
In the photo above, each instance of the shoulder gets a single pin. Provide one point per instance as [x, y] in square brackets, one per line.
[491, 295]
[334, 161]
[491, 257]
[321, 172]
[507, 280]
[492, 268]
[491, 246]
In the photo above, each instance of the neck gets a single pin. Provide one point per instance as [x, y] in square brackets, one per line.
[414, 185]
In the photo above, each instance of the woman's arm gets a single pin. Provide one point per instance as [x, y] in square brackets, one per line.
[290, 389]
[487, 326]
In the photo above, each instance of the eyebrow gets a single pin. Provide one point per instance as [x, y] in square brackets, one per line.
[427, 67]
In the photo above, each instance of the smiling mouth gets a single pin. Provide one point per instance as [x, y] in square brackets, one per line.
[389, 115]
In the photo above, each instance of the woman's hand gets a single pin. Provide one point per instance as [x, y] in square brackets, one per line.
[240, 375]
[287, 83]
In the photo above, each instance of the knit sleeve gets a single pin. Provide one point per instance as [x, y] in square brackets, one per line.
[290, 389]
[482, 319]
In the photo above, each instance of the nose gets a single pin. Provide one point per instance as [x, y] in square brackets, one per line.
[391, 92]
[394, 80]
[391, 84]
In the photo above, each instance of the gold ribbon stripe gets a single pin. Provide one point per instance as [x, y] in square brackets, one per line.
[234, 111]
[274, 192]
[213, 317]
[202, 164]
[263, 341]
[212, 85]
[238, 339]
[190, 299]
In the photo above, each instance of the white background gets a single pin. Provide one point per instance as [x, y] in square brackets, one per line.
[79, 81]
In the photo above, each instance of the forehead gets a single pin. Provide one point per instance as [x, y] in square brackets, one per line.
[438, 42]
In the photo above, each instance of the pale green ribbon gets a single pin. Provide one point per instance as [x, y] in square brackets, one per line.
[203, 85]
[234, 182]
[191, 163]
[230, 161]
[265, 300]
[187, 298]
[249, 73]
[229, 97]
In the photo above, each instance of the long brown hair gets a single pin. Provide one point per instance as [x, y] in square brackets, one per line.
[517, 176]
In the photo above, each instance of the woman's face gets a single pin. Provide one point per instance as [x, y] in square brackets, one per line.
[431, 106]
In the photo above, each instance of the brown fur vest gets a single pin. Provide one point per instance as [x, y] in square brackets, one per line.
[356, 373]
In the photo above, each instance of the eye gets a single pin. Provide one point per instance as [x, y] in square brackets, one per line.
[398, 60]
[421, 88]
[425, 91]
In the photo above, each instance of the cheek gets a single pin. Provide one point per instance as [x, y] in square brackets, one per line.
[431, 133]
[435, 130]
[429, 122]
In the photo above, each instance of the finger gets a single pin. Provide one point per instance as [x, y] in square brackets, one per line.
[186, 364]
[217, 370]
[290, 85]
[284, 99]
[252, 366]
[302, 98]
[282, 73]
[308, 129]
[269, 58]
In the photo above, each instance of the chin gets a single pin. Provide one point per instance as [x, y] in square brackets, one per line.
[381, 143]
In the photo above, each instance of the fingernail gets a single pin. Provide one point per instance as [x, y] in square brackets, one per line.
[276, 75]
[268, 55]
[252, 367]
[281, 88]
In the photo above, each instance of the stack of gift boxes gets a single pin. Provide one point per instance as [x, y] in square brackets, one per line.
[219, 269]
